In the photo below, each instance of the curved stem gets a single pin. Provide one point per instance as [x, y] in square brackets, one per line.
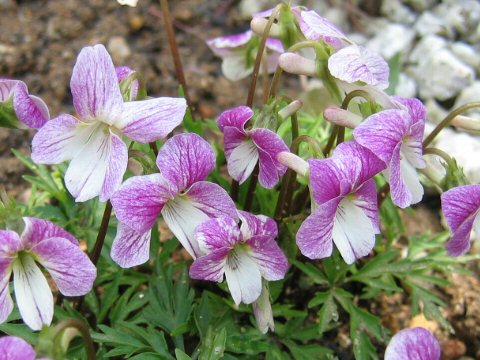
[84, 331]
[351, 95]
[438, 152]
[331, 140]
[445, 122]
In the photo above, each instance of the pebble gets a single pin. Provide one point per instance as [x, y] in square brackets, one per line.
[136, 23]
[119, 49]
[406, 87]
[470, 94]
[394, 38]
[467, 53]
[396, 11]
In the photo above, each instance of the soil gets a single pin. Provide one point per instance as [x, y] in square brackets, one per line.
[39, 42]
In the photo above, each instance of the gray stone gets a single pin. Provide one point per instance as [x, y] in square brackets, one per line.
[430, 24]
[393, 39]
[397, 12]
[406, 87]
[427, 47]
[467, 54]
[470, 94]
[420, 5]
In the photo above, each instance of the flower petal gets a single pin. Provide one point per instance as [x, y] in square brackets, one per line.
[68, 265]
[353, 231]
[185, 159]
[7, 87]
[242, 159]
[415, 108]
[130, 248]
[211, 266]
[316, 27]
[257, 225]
[139, 200]
[10, 244]
[366, 199]
[212, 199]
[30, 110]
[236, 117]
[243, 277]
[32, 293]
[37, 230]
[150, 120]
[15, 348]
[314, 238]
[218, 233]
[356, 63]
[221, 45]
[6, 303]
[122, 73]
[235, 67]
[95, 90]
[417, 343]
[98, 170]
[271, 261]
[274, 45]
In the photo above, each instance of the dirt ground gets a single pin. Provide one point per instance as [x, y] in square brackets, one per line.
[39, 42]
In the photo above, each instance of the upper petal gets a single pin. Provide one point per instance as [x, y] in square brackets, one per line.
[69, 266]
[10, 244]
[217, 233]
[95, 90]
[241, 160]
[236, 117]
[30, 110]
[316, 27]
[6, 303]
[37, 230]
[212, 199]
[257, 225]
[7, 87]
[130, 247]
[272, 262]
[222, 44]
[356, 63]
[415, 108]
[185, 159]
[366, 199]
[416, 343]
[15, 348]
[211, 266]
[150, 120]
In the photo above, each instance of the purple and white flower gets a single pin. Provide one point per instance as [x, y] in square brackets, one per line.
[15, 348]
[122, 73]
[179, 193]
[238, 58]
[58, 252]
[461, 207]
[243, 254]
[92, 143]
[413, 344]
[244, 148]
[30, 110]
[346, 204]
[395, 136]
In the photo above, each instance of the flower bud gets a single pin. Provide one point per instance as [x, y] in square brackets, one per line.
[342, 117]
[294, 162]
[290, 109]
[258, 25]
[466, 123]
[297, 64]
[262, 309]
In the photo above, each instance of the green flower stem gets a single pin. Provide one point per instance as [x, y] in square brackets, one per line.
[448, 119]
[331, 140]
[251, 189]
[84, 331]
[438, 152]
[351, 95]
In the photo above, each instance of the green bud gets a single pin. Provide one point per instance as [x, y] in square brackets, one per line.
[454, 175]
[8, 117]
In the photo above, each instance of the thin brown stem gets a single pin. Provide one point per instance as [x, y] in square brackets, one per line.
[154, 148]
[382, 194]
[234, 190]
[331, 140]
[102, 232]
[84, 331]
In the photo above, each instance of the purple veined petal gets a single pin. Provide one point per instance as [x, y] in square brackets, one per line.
[460, 207]
[212, 199]
[412, 151]
[314, 238]
[242, 159]
[69, 266]
[417, 343]
[269, 173]
[271, 261]
[15, 348]
[30, 110]
[7, 88]
[218, 233]
[253, 225]
[139, 200]
[353, 231]
[262, 309]
[32, 293]
[95, 90]
[236, 117]
[61, 139]
[274, 45]
[356, 63]
[415, 108]
[150, 120]
[272, 61]
[211, 266]
[130, 248]
[6, 303]
[221, 45]
[185, 159]
[316, 27]
[235, 67]
[243, 277]
[376, 94]
[98, 170]
[37, 230]
[10, 244]
[122, 73]
[324, 180]
[366, 199]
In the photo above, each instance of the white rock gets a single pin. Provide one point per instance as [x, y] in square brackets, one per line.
[420, 5]
[406, 87]
[119, 49]
[249, 7]
[427, 47]
[435, 113]
[462, 15]
[470, 94]
[431, 24]
[467, 54]
[394, 38]
[397, 12]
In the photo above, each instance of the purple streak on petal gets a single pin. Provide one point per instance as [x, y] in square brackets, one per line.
[218, 233]
[460, 206]
[185, 159]
[15, 348]
[139, 201]
[10, 244]
[274, 45]
[416, 343]
[253, 225]
[7, 88]
[366, 199]
[150, 120]
[30, 110]
[415, 108]
[68, 265]
[212, 199]
[37, 230]
[116, 167]
[130, 248]
[211, 266]
[314, 238]
[324, 180]
[272, 262]
[316, 27]
[6, 303]
[355, 63]
[222, 45]
[241, 152]
[94, 85]
[122, 73]
[236, 117]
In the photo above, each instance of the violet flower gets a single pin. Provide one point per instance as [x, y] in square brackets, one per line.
[461, 207]
[243, 254]
[244, 148]
[413, 344]
[30, 110]
[122, 73]
[238, 59]
[346, 199]
[15, 348]
[98, 156]
[395, 136]
[179, 193]
[55, 249]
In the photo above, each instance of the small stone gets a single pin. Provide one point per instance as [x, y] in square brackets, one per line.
[431, 24]
[393, 39]
[397, 12]
[426, 48]
[136, 23]
[119, 49]
[452, 349]
[422, 321]
[470, 94]
[435, 112]
[467, 54]
[406, 87]
[206, 111]
[183, 13]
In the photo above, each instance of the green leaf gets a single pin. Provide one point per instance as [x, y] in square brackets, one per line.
[314, 273]
[180, 355]
[213, 346]
[327, 313]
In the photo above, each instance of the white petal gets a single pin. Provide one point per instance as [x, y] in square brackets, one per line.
[33, 295]
[243, 277]
[411, 179]
[182, 217]
[242, 160]
[234, 67]
[353, 231]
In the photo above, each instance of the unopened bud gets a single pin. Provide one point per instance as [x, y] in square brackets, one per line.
[294, 162]
[262, 309]
[290, 109]
[466, 123]
[259, 24]
[297, 64]
[342, 117]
